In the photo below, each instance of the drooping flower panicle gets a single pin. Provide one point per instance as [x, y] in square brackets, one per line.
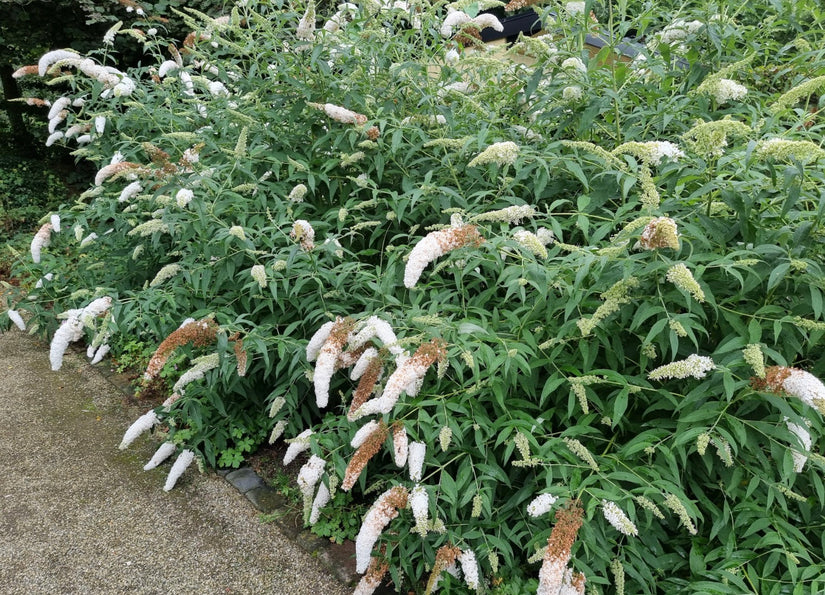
[616, 517]
[559, 544]
[405, 375]
[384, 510]
[435, 245]
[695, 366]
[795, 383]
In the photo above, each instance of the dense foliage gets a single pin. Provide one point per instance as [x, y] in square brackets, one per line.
[626, 260]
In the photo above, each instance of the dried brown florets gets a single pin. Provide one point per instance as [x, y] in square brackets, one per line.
[157, 155]
[660, 233]
[429, 353]
[375, 574]
[350, 357]
[25, 71]
[444, 558]
[200, 333]
[116, 170]
[365, 386]
[363, 455]
[772, 382]
[469, 36]
[559, 544]
[240, 352]
[373, 132]
[515, 5]
[37, 102]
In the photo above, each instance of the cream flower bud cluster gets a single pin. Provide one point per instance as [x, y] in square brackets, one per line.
[753, 356]
[445, 436]
[164, 274]
[512, 215]
[531, 242]
[781, 149]
[277, 431]
[201, 366]
[660, 233]
[298, 193]
[682, 278]
[616, 517]
[674, 504]
[503, 153]
[695, 366]
[148, 228]
[580, 450]
[258, 273]
[711, 138]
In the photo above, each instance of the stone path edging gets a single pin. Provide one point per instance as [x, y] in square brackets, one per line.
[339, 559]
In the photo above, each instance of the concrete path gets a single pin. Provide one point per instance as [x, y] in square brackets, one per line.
[79, 516]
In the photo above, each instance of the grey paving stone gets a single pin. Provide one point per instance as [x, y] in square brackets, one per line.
[244, 479]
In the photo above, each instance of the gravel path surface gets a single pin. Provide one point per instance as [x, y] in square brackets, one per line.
[79, 516]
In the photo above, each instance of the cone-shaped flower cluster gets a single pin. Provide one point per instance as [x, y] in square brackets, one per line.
[554, 574]
[198, 333]
[72, 328]
[435, 245]
[405, 375]
[793, 382]
[384, 510]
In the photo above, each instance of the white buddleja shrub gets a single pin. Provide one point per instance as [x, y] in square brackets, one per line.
[540, 318]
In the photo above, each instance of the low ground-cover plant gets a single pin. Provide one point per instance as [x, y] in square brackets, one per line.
[561, 311]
